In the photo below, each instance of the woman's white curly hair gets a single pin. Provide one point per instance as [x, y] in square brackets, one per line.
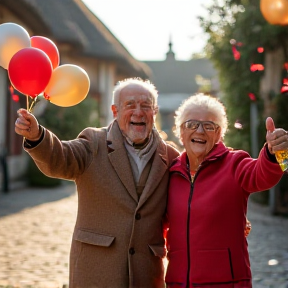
[201, 100]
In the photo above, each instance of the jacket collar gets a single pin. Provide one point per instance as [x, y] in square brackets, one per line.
[159, 167]
[181, 163]
[118, 157]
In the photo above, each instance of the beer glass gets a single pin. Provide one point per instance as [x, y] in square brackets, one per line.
[282, 159]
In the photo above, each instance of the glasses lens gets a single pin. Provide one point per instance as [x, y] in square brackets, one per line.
[208, 126]
[194, 124]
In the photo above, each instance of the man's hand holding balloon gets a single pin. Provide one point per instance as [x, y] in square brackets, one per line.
[27, 126]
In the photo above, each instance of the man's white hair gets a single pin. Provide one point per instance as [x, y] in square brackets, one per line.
[201, 100]
[146, 84]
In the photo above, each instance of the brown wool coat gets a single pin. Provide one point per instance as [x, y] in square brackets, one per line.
[117, 241]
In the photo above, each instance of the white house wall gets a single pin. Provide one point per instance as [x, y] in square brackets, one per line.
[106, 85]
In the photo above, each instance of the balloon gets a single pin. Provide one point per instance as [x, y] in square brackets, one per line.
[69, 85]
[48, 47]
[29, 71]
[275, 11]
[13, 38]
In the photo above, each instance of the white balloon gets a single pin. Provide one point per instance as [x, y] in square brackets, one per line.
[13, 38]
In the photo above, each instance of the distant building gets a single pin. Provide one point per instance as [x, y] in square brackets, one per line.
[177, 80]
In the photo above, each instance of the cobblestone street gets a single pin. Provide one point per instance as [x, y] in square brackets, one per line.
[35, 236]
[268, 248]
[36, 228]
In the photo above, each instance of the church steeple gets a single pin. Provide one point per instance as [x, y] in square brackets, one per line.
[170, 54]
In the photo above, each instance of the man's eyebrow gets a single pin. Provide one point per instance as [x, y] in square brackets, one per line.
[129, 101]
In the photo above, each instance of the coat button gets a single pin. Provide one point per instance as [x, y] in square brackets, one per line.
[138, 216]
[132, 251]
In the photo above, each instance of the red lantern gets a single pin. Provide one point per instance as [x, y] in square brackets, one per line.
[48, 47]
[275, 11]
[29, 71]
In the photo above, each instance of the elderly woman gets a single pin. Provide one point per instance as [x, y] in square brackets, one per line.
[207, 202]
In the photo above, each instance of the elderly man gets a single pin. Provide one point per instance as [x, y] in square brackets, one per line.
[121, 173]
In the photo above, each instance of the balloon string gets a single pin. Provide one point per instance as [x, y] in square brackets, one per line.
[32, 104]
[29, 110]
[27, 107]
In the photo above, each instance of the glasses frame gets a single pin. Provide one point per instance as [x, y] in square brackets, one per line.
[216, 126]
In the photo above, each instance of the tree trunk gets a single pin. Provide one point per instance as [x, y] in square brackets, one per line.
[271, 82]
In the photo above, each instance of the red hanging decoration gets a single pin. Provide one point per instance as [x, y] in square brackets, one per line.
[256, 67]
[236, 53]
[252, 96]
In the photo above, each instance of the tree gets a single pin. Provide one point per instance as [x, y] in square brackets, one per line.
[238, 26]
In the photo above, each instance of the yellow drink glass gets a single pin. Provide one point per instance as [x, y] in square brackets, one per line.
[282, 159]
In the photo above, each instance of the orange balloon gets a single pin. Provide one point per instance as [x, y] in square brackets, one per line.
[68, 86]
[275, 11]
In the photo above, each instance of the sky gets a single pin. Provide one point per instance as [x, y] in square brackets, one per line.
[145, 27]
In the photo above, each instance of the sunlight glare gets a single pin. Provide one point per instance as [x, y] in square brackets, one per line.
[273, 262]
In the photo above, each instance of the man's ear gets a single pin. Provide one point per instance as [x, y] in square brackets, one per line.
[156, 110]
[114, 110]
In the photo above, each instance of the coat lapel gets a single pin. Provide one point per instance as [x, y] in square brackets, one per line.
[159, 167]
[119, 159]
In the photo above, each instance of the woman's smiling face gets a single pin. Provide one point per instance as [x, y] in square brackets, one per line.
[199, 141]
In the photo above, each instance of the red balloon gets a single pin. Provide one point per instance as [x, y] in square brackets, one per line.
[48, 47]
[29, 71]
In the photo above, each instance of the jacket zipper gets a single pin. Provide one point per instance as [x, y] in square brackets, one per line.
[188, 234]
[192, 180]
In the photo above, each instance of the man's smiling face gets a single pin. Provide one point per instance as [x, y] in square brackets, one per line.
[135, 113]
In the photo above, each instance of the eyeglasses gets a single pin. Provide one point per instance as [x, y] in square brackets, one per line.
[206, 125]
